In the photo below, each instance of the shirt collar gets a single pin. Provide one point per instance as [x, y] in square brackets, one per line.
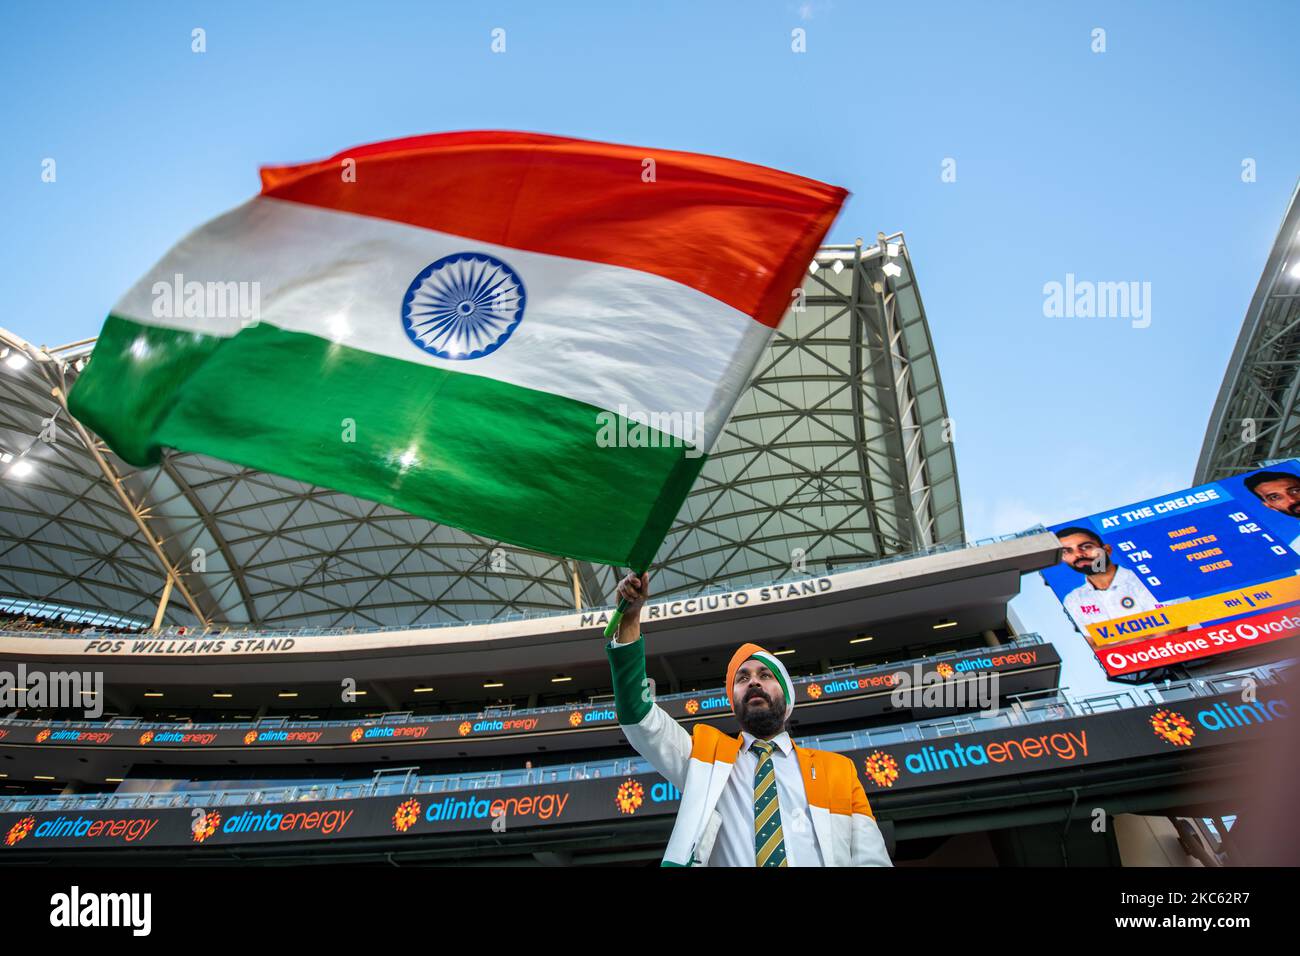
[782, 741]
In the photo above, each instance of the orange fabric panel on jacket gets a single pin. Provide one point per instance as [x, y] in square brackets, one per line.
[708, 744]
[815, 785]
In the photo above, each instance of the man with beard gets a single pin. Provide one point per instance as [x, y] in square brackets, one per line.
[1280, 492]
[755, 799]
[1108, 591]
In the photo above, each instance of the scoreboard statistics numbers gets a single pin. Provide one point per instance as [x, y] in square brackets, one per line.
[1187, 575]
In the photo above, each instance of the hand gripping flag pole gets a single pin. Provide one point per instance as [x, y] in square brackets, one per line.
[615, 619]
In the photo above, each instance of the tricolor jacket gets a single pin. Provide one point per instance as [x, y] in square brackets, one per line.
[699, 764]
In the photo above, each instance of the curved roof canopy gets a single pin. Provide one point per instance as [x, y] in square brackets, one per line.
[1256, 416]
[837, 453]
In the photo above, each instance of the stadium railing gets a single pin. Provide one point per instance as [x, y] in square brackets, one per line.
[1028, 711]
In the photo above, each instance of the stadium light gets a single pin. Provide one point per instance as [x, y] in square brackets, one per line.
[422, 690]
[784, 650]
[41, 776]
[943, 624]
[861, 640]
[560, 679]
[892, 269]
[222, 695]
[20, 469]
[287, 693]
[1295, 270]
[153, 693]
[490, 684]
[112, 779]
[15, 360]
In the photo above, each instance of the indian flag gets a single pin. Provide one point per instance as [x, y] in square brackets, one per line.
[532, 338]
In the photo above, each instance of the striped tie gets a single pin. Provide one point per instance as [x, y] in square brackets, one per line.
[769, 844]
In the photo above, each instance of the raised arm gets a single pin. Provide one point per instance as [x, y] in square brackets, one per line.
[651, 732]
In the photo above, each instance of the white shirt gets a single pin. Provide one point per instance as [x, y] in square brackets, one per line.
[1295, 544]
[735, 842]
[1126, 595]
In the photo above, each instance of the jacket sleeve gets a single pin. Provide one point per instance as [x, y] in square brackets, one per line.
[651, 732]
[868, 842]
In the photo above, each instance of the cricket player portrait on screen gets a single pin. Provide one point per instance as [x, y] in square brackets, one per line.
[1108, 590]
[1188, 575]
[1280, 492]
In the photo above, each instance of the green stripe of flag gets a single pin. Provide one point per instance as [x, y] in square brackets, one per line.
[495, 459]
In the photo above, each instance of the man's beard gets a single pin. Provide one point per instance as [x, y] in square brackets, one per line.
[761, 722]
[1095, 566]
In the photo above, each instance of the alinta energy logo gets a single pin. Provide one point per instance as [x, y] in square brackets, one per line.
[578, 718]
[176, 737]
[282, 736]
[387, 733]
[404, 817]
[357, 734]
[1173, 727]
[630, 796]
[814, 691]
[882, 768]
[126, 829]
[205, 826]
[692, 706]
[43, 736]
[81, 736]
[945, 670]
[465, 728]
[20, 830]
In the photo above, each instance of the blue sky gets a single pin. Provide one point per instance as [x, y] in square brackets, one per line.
[1117, 166]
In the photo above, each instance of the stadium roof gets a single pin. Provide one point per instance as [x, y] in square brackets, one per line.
[1256, 416]
[838, 449]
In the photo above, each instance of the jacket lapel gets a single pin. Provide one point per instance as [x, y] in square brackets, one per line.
[722, 763]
